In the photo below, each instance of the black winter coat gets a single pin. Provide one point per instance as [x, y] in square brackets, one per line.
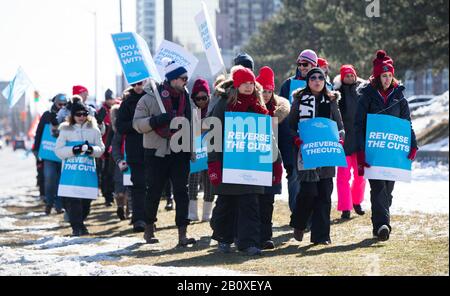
[371, 102]
[49, 117]
[133, 143]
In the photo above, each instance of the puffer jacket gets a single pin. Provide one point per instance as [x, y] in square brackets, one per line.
[79, 133]
[371, 102]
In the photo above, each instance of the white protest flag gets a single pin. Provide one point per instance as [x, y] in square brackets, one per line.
[176, 53]
[16, 88]
[209, 41]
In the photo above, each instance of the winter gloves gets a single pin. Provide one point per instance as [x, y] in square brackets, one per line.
[412, 154]
[160, 120]
[361, 158]
[297, 141]
[122, 164]
[215, 172]
[83, 148]
[277, 172]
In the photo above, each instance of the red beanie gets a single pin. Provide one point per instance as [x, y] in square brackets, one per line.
[78, 89]
[322, 62]
[200, 85]
[347, 69]
[266, 78]
[382, 63]
[242, 76]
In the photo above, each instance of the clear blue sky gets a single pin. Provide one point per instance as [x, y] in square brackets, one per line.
[53, 40]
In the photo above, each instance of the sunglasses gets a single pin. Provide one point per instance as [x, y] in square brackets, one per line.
[79, 114]
[202, 98]
[183, 78]
[62, 105]
[314, 78]
[305, 64]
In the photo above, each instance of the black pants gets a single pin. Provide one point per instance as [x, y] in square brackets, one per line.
[381, 199]
[107, 178]
[237, 216]
[314, 199]
[40, 180]
[159, 170]
[78, 210]
[266, 202]
[138, 191]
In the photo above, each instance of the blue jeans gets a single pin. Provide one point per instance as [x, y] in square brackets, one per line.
[52, 172]
[293, 188]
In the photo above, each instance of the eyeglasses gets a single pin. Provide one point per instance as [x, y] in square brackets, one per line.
[202, 98]
[304, 64]
[314, 78]
[79, 114]
[183, 78]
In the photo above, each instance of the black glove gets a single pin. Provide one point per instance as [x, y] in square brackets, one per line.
[76, 149]
[160, 120]
[90, 149]
[55, 132]
[100, 115]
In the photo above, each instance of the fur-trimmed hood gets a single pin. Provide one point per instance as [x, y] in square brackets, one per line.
[282, 108]
[337, 82]
[299, 92]
[90, 123]
[113, 114]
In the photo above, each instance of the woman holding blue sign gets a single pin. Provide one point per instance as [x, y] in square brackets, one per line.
[382, 95]
[200, 95]
[236, 214]
[79, 136]
[316, 185]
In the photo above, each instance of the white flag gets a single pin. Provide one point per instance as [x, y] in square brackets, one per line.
[16, 88]
[209, 41]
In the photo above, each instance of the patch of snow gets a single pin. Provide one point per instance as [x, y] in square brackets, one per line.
[440, 145]
[439, 104]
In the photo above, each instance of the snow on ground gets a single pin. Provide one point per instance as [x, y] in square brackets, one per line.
[52, 254]
[439, 105]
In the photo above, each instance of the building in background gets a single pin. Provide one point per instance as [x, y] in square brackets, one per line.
[238, 20]
[426, 82]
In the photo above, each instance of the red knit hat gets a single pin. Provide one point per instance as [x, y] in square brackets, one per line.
[266, 78]
[200, 85]
[347, 69]
[242, 76]
[78, 89]
[382, 63]
[321, 62]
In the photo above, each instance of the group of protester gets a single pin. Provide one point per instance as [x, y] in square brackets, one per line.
[134, 133]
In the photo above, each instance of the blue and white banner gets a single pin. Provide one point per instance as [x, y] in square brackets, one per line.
[247, 156]
[135, 57]
[321, 147]
[388, 142]
[127, 173]
[201, 155]
[16, 87]
[175, 53]
[78, 177]
[209, 41]
[48, 144]
[295, 84]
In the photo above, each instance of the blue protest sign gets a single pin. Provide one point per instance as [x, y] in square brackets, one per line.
[127, 173]
[388, 141]
[247, 156]
[78, 176]
[295, 84]
[321, 147]
[48, 144]
[201, 154]
[135, 58]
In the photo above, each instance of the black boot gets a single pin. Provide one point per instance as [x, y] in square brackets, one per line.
[358, 210]
[183, 240]
[121, 213]
[345, 215]
[149, 234]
